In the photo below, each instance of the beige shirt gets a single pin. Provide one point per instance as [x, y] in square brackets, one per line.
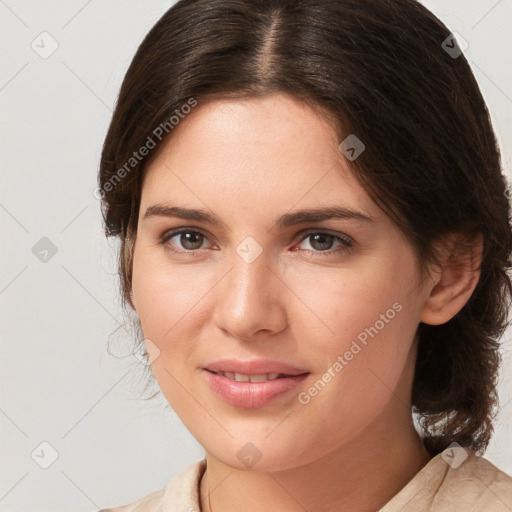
[474, 485]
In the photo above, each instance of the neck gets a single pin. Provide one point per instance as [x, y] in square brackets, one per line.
[362, 475]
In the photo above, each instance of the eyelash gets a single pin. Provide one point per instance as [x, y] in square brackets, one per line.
[346, 243]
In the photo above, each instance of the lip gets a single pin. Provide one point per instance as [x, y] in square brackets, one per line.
[254, 367]
[252, 395]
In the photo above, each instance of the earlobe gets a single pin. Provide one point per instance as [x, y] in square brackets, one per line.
[456, 280]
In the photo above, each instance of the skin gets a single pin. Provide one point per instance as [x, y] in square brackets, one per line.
[353, 446]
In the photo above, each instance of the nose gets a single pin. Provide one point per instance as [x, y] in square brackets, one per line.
[251, 299]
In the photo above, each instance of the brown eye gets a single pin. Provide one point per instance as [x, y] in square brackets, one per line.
[188, 239]
[323, 242]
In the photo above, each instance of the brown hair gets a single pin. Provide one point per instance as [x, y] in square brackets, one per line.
[380, 69]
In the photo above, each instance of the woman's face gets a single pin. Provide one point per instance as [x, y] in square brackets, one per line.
[337, 299]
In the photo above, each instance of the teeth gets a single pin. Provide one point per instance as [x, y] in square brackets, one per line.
[258, 378]
[241, 377]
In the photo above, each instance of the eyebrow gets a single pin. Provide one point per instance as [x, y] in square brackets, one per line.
[286, 220]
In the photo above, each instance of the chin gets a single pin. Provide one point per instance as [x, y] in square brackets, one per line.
[261, 456]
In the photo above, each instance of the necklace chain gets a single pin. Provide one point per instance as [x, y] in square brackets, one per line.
[209, 497]
[208, 480]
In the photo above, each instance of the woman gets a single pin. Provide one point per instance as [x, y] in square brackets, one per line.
[315, 236]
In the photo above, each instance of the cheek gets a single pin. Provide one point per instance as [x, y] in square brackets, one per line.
[360, 366]
[167, 304]
[346, 303]
[367, 321]
[164, 296]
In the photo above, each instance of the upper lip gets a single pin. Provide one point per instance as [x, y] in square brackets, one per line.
[253, 367]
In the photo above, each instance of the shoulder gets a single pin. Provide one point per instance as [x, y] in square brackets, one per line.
[478, 483]
[149, 503]
[455, 480]
[182, 491]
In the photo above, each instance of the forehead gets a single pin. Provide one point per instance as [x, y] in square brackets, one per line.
[273, 150]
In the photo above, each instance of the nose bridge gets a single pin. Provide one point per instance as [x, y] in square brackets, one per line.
[247, 302]
[249, 277]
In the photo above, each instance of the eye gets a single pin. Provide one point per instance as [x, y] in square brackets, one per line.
[190, 240]
[322, 242]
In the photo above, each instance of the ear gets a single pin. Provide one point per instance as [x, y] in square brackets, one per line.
[455, 279]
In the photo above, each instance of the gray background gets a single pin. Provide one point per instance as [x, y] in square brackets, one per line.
[58, 382]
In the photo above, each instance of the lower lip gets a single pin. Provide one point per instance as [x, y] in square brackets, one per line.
[251, 394]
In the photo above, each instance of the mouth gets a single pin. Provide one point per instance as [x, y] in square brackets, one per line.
[252, 390]
[231, 368]
[242, 377]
